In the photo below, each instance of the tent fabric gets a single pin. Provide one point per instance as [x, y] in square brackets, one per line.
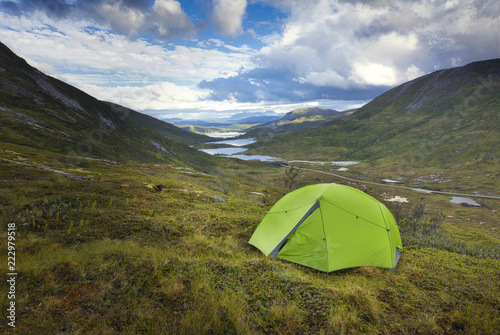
[277, 249]
[329, 227]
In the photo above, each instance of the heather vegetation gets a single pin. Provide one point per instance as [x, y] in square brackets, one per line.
[147, 248]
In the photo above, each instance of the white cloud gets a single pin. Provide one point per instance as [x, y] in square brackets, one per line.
[456, 61]
[159, 96]
[374, 74]
[390, 48]
[350, 43]
[166, 8]
[324, 48]
[204, 110]
[170, 19]
[413, 72]
[163, 19]
[112, 67]
[71, 48]
[43, 67]
[327, 78]
[122, 18]
[320, 44]
[228, 15]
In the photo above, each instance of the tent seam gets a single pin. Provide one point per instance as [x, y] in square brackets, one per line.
[357, 216]
[324, 235]
[292, 209]
[389, 235]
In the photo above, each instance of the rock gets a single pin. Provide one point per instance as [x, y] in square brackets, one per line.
[220, 200]
[397, 198]
[465, 202]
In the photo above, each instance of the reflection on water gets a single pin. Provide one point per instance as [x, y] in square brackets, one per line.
[231, 152]
[237, 143]
[236, 147]
[256, 157]
[345, 163]
[224, 135]
[224, 151]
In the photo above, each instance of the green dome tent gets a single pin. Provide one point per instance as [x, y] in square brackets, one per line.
[329, 227]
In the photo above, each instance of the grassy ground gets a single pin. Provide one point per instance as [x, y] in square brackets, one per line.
[150, 249]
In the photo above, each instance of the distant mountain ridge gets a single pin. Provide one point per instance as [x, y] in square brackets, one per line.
[304, 112]
[254, 117]
[302, 118]
[239, 118]
[42, 112]
[444, 118]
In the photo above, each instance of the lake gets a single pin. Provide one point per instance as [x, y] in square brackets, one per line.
[345, 163]
[237, 143]
[235, 147]
[224, 135]
[256, 157]
[224, 151]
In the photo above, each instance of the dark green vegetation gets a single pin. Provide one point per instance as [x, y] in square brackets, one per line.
[148, 248]
[157, 243]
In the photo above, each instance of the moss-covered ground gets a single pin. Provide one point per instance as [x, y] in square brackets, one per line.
[137, 248]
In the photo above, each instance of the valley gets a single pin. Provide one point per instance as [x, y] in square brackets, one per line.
[124, 225]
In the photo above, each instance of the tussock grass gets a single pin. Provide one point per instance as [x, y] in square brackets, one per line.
[150, 251]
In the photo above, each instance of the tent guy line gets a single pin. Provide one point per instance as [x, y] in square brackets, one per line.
[404, 187]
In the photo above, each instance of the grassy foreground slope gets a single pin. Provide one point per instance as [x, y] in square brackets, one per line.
[446, 118]
[150, 249]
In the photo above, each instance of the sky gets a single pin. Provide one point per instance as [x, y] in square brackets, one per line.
[209, 59]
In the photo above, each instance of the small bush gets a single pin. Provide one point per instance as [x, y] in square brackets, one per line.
[423, 229]
[286, 183]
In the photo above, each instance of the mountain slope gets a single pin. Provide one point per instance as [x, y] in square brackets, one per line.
[164, 128]
[445, 118]
[302, 118]
[38, 111]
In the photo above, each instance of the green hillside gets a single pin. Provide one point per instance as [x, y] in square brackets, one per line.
[302, 118]
[446, 118]
[38, 111]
